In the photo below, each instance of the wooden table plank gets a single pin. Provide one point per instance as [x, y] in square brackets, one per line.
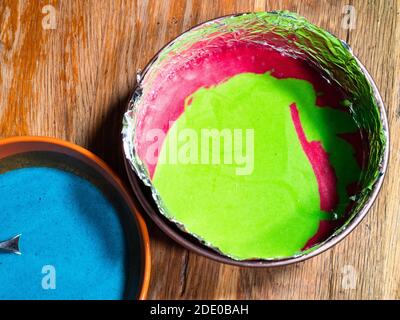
[72, 82]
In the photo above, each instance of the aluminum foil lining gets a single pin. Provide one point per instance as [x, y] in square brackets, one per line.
[294, 36]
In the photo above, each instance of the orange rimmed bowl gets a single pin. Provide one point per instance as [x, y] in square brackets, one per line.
[22, 152]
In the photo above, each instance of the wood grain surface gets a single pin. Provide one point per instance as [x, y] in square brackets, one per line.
[67, 69]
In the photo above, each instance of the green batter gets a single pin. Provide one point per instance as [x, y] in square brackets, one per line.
[260, 200]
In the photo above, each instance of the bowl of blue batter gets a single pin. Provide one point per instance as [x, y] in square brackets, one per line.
[81, 237]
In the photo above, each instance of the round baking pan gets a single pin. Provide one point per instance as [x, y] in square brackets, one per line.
[144, 193]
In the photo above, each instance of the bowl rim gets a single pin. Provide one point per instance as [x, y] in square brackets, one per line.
[108, 174]
[192, 243]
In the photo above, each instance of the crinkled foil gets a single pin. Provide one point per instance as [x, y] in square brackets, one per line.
[294, 36]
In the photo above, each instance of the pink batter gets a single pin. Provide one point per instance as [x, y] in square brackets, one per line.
[218, 60]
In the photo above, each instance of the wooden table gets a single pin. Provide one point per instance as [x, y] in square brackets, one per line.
[67, 69]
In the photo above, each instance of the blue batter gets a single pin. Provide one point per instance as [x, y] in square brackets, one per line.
[66, 222]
